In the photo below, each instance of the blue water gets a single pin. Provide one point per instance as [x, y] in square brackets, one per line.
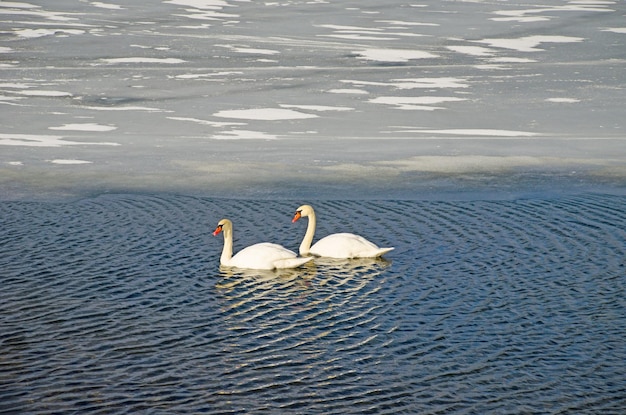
[117, 304]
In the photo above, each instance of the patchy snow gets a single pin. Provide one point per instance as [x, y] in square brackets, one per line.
[393, 55]
[84, 127]
[69, 161]
[529, 43]
[40, 140]
[167, 61]
[266, 114]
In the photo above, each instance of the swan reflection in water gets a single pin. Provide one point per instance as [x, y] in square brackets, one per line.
[288, 324]
[315, 274]
[231, 277]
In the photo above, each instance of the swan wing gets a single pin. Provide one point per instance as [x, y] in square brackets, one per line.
[266, 255]
[347, 245]
[291, 262]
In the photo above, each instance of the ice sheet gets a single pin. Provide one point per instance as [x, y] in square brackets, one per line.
[284, 97]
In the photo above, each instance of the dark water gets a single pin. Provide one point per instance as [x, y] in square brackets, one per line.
[116, 304]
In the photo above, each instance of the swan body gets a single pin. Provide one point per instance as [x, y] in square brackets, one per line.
[263, 255]
[337, 245]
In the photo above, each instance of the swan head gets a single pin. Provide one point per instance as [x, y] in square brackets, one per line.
[223, 226]
[302, 211]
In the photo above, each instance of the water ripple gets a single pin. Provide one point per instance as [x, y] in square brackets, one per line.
[117, 304]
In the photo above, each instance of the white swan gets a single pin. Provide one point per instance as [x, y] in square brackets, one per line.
[263, 255]
[337, 245]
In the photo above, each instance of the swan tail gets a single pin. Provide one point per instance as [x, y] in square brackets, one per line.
[291, 262]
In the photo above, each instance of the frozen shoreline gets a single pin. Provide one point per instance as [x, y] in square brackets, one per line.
[334, 169]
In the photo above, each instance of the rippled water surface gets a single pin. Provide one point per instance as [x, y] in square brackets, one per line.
[116, 304]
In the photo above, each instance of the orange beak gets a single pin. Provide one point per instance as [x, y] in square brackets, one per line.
[217, 230]
[297, 216]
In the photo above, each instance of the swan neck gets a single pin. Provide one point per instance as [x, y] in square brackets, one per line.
[227, 251]
[305, 246]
